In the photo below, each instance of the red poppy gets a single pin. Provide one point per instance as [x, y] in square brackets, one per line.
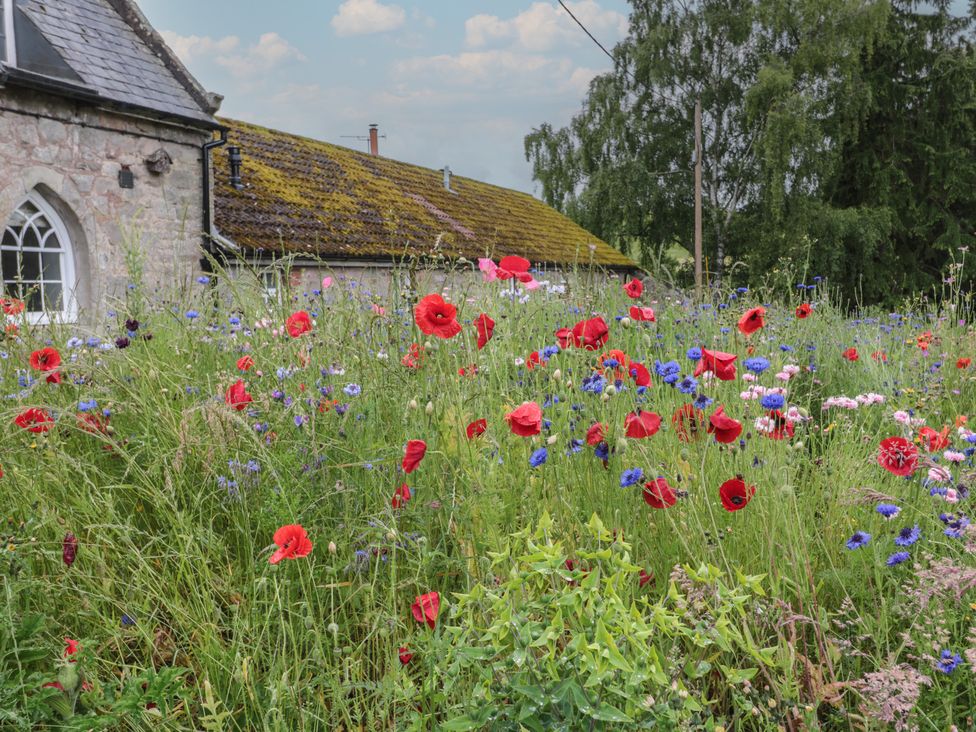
[426, 607]
[590, 334]
[292, 543]
[604, 362]
[46, 359]
[565, 337]
[434, 316]
[471, 370]
[12, 306]
[534, 360]
[401, 496]
[517, 267]
[69, 549]
[476, 428]
[245, 363]
[898, 456]
[34, 420]
[752, 321]
[644, 577]
[781, 427]
[237, 396]
[413, 357]
[723, 427]
[735, 494]
[804, 311]
[642, 314]
[688, 422]
[525, 420]
[634, 288]
[639, 373]
[719, 363]
[658, 494]
[298, 323]
[642, 424]
[486, 329]
[416, 449]
[935, 441]
[404, 655]
[71, 647]
[54, 377]
[851, 354]
[877, 356]
[594, 435]
[963, 363]
[93, 424]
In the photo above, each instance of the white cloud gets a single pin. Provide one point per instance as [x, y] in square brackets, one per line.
[360, 17]
[270, 51]
[545, 26]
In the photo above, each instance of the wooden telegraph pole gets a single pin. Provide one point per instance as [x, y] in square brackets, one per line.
[698, 200]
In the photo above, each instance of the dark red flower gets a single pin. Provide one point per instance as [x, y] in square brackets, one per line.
[237, 396]
[658, 494]
[53, 378]
[688, 423]
[298, 323]
[935, 441]
[565, 337]
[851, 354]
[46, 359]
[401, 496]
[476, 428]
[517, 267]
[642, 314]
[634, 288]
[34, 420]
[525, 420]
[434, 316]
[804, 311]
[719, 363]
[644, 577]
[486, 329]
[426, 607]
[591, 334]
[780, 426]
[752, 320]
[735, 494]
[292, 543]
[594, 435]
[642, 424]
[69, 549]
[416, 449]
[723, 427]
[404, 655]
[245, 363]
[898, 456]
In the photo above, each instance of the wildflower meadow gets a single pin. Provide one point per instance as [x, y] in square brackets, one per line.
[515, 502]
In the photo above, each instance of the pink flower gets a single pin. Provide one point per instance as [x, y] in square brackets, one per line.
[488, 269]
[326, 283]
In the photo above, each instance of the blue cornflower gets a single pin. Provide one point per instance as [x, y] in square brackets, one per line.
[192, 314]
[93, 342]
[897, 558]
[702, 401]
[300, 419]
[550, 351]
[908, 536]
[353, 390]
[859, 539]
[888, 510]
[538, 457]
[785, 348]
[725, 331]
[756, 365]
[742, 290]
[234, 320]
[87, 405]
[75, 342]
[611, 363]
[127, 621]
[688, 385]
[593, 384]
[667, 369]
[631, 476]
[575, 446]
[772, 401]
[602, 451]
[203, 280]
[694, 353]
[948, 661]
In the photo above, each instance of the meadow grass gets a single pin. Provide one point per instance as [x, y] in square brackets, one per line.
[175, 504]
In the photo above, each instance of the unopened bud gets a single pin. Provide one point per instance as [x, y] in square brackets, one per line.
[552, 439]
[557, 374]
[429, 409]
[332, 547]
[412, 404]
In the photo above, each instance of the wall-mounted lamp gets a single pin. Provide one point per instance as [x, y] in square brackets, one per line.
[126, 178]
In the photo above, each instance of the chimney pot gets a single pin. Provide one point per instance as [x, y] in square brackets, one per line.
[374, 139]
[234, 157]
[447, 178]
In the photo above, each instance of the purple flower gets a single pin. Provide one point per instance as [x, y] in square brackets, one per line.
[859, 539]
[897, 558]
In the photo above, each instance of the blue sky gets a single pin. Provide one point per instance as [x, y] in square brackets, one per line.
[455, 82]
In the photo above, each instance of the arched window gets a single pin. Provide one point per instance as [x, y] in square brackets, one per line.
[37, 263]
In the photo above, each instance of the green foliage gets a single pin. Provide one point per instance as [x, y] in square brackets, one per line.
[563, 640]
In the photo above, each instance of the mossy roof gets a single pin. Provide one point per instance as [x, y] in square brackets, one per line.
[303, 196]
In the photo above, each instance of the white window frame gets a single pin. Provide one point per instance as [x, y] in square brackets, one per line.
[69, 300]
[8, 28]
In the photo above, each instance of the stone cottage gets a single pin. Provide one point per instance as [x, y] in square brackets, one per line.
[103, 137]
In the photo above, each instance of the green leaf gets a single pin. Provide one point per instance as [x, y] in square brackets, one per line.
[607, 713]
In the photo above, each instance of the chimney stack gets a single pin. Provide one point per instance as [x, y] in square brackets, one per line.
[447, 178]
[374, 139]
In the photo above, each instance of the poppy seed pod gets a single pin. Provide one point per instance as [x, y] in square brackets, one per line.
[333, 628]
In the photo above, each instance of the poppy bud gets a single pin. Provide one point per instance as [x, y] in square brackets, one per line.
[610, 390]
[333, 628]
[569, 383]
[552, 439]
[429, 409]
[69, 677]
[332, 547]
[622, 444]
[69, 549]
[391, 536]
[412, 404]
[625, 322]
[557, 375]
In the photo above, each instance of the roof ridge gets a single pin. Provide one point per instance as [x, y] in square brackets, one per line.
[130, 12]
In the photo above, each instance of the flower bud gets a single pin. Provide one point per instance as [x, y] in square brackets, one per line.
[412, 404]
[622, 444]
[552, 439]
[625, 322]
[557, 375]
[610, 390]
[429, 409]
[332, 547]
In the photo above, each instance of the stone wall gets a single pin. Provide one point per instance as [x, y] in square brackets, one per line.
[72, 154]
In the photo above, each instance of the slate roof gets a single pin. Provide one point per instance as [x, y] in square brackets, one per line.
[111, 46]
[309, 197]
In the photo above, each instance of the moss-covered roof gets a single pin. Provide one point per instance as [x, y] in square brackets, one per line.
[308, 197]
